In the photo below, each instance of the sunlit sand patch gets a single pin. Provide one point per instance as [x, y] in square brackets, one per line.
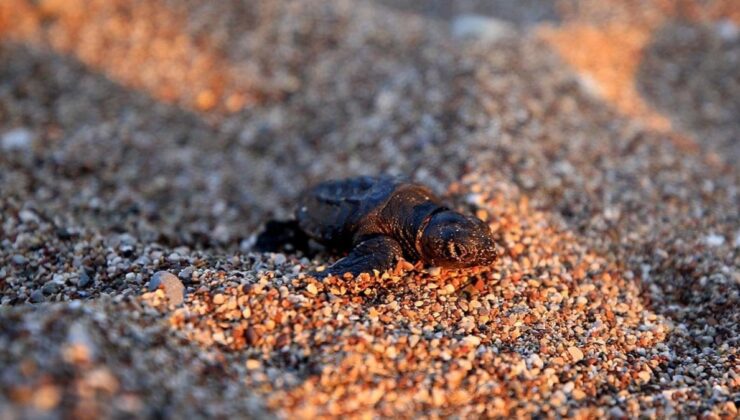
[547, 328]
[607, 55]
[142, 45]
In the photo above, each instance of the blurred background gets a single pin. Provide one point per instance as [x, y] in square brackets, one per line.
[192, 121]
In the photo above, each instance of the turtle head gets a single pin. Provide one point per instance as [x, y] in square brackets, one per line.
[451, 239]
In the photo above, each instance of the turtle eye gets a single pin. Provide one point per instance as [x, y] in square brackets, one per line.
[456, 250]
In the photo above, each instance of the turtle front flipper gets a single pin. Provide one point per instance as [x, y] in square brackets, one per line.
[376, 253]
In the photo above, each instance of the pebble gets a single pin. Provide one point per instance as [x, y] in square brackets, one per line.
[579, 394]
[37, 296]
[173, 288]
[617, 413]
[311, 288]
[16, 139]
[644, 375]
[279, 259]
[472, 340]
[481, 27]
[714, 240]
[727, 29]
[46, 397]
[83, 280]
[51, 287]
[413, 340]
[575, 353]
[186, 274]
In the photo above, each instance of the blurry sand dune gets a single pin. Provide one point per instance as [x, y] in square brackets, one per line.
[608, 42]
[152, 45]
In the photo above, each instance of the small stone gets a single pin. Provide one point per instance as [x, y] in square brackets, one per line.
[413, 340]
[28, 216]
[644, 375]
[568, 387]
[434, 271]
[126, 250]
[535, 361]
[83, 280]
[391, 352]
[438, 397]
[312, 289]
[63, 233]
[714, 240]
[173, 287]
[481, 27]
[143, 261]
[186, 274]
[47, 397]
[37, 296]
[17, 139]
[616, 412]
[156, 279]
[18, 259]
[51, 287]
[252, 336]
[80, 345]
[727, 29]
[253, 364]
[279, 259]
[575, 353]
[558, 398]
[206, 100]
[472, 341]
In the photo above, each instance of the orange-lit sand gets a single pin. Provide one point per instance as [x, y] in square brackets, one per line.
[155, 136]
[608, 52]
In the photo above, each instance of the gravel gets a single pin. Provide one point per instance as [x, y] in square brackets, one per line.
[140, 158]
[18, 139]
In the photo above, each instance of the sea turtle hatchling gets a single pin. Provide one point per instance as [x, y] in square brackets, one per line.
[379, 220]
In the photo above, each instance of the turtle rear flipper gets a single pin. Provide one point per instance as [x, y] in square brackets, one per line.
[376, 253]
[279, 236]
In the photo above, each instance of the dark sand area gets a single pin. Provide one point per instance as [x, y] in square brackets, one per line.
[599, 140]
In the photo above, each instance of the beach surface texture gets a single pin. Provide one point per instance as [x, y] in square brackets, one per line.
[144, 142]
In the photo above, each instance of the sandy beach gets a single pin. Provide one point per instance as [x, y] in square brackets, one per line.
[143, 143]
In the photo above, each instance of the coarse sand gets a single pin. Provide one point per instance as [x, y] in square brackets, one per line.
[144, 142]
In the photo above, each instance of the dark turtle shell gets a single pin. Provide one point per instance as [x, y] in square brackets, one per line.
[332, 211]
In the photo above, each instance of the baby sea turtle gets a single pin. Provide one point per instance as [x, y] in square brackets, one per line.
[379, 220]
